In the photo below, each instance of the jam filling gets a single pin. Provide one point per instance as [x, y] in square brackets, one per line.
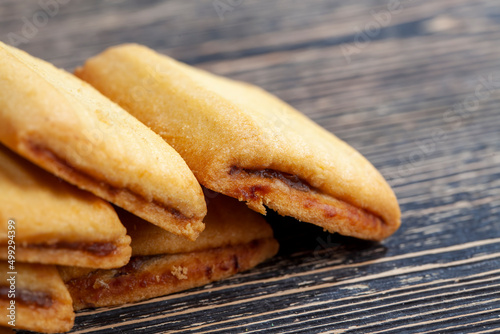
[95, 248]
[28, 297]
[291, 180]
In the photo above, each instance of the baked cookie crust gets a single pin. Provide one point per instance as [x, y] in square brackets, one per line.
[55, 222]
[68, 128]
[43, 303]
[246, 143]
[235, 239]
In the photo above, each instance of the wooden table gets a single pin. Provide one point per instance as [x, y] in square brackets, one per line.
[413, 85]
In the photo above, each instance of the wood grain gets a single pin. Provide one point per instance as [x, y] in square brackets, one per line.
[399, 101]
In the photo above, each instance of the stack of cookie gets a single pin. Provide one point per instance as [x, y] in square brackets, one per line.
[170, 128]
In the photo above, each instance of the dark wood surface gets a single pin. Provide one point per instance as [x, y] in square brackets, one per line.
[417, 92]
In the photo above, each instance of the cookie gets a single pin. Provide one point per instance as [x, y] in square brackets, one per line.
[243, 142]
[46, 220]
[235, 239]
[41, 301]
[65, 126]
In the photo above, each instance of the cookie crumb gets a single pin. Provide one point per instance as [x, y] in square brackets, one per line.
[180, 272]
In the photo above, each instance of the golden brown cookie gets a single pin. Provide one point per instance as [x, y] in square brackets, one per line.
[244, 142]
[152, 276]
[46, 220]
[41, 300]
[235, 239]
[67, 127]
[228, 223]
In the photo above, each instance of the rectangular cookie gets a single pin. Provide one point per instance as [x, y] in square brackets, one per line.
[68, 128]
[246, 143]
[235, 239]
[53, 222]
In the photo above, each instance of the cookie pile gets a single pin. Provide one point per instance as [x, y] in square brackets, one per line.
[102, 176]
